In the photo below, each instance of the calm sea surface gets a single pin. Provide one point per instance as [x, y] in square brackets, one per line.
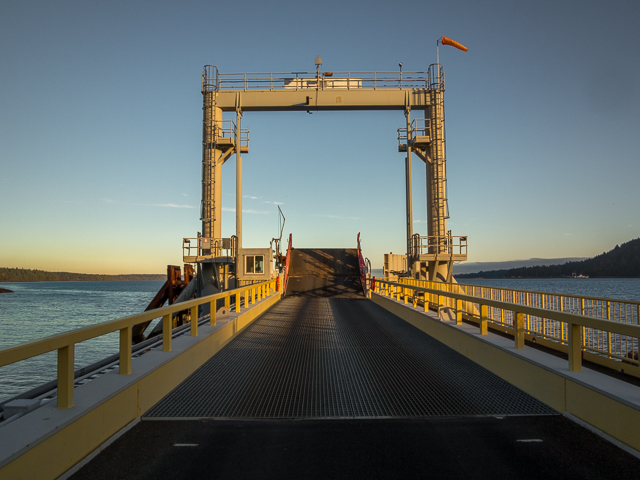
[620, 288]
[41, 309]
[38, 310]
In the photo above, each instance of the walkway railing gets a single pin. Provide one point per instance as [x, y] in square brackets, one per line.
[604, 331]
[65, 343]
[195, 249]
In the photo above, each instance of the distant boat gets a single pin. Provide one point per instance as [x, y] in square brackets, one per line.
[573, 275]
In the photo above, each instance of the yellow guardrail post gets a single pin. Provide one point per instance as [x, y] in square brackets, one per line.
[518, 329]
[405, 292]
[458, 311]
[237, 301]
[575, 348]
[126, 344]
[227, 301]
[484, 324]
[193, 314]
[609, 333]
[584, 330]
[543, 319]
[212, 310]
[414, 295]
[166, 333]
[527, 320]
[66, 376]
[562, 336]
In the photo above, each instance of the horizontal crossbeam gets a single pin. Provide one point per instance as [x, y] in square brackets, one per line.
[316, 100]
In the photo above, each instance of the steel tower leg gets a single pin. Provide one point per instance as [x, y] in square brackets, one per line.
[238, 180]
[409, 200]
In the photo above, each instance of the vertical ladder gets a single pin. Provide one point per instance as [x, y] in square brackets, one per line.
[209, 138]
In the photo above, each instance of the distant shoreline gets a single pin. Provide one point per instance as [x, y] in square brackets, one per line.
[17, 275]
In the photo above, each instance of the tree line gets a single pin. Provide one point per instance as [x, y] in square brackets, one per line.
[27, 275]
[621, 261]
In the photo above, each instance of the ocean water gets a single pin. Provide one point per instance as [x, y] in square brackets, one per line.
[37, 310]
[619, 288]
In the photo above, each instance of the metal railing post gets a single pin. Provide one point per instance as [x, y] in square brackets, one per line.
[193, 314]
[126, 343]
[238, 302]
[575, 348]
[166, 333]
[212, 310]
[609, 333]
[484, 314]
[458, 311]
[518, 329]
[66, 358]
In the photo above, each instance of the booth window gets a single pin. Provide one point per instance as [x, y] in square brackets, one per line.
[254, 264]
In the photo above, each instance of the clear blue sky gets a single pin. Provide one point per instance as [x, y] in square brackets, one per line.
[100, 127]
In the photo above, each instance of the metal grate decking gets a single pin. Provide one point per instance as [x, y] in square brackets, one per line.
[335, 358]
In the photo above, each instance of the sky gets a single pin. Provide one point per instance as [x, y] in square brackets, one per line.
[101, 124]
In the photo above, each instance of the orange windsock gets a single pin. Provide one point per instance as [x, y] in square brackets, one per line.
[453, 43]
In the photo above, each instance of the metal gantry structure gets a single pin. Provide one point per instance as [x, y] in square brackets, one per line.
[428, 257]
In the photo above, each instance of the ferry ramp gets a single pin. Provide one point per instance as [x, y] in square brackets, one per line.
[324, 272]
[330, 387]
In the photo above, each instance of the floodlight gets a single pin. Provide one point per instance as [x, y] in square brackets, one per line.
[318, 61]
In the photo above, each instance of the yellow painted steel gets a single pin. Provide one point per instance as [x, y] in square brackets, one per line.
[65, 343]
[518, 329]
[312, 99]
[517, 311]
[194, 320]
[166, 333]
[604, 348]
[212, 309]
[484, 313]
[125, 350]
[66, 356]
[575, 348]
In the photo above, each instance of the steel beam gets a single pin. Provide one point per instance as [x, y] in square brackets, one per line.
[309, 99]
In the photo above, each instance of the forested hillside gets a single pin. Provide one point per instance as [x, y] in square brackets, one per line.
[622, 261]
[25, 275]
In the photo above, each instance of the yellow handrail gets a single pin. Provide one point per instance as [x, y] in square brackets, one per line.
[575, 322]
[64, 343]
